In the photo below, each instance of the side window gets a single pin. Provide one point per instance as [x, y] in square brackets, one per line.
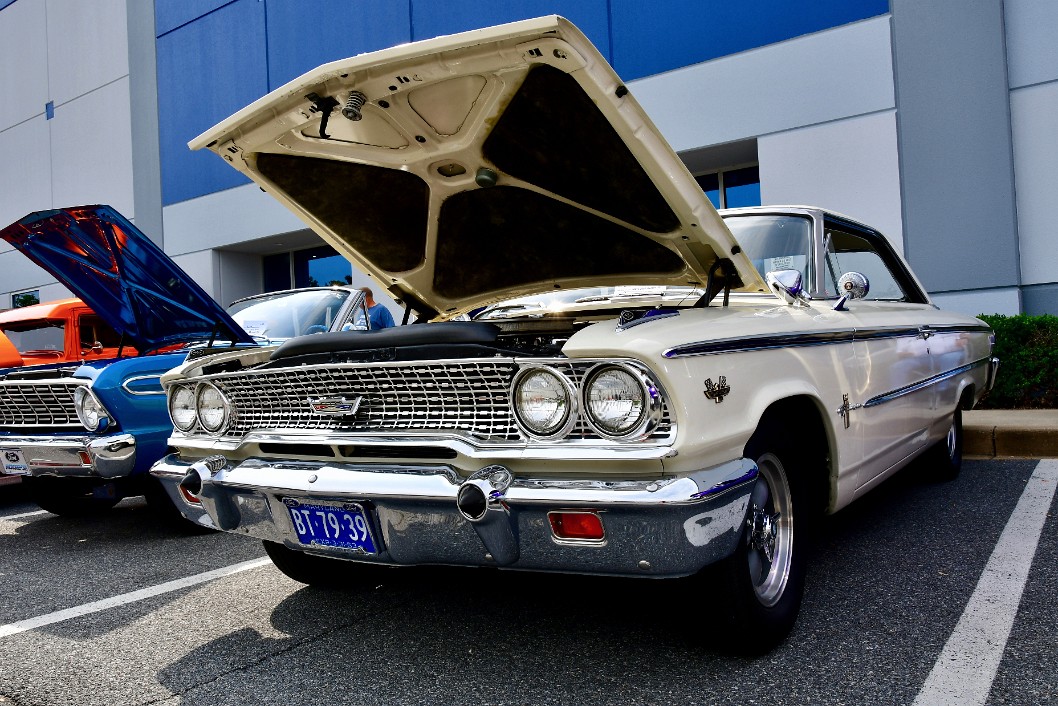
[93, 331]
[357, 318]
[846, 252]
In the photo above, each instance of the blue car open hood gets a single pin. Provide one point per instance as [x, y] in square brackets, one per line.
[123, 276]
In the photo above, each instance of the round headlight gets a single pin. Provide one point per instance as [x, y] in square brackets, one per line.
[90, 411]
[618, 402]
[212, 407]
[182, 407]
[543, 402]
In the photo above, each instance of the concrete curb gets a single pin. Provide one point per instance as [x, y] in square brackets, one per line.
[1011, 433]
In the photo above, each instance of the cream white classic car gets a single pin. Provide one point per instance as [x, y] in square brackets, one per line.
[606, 377]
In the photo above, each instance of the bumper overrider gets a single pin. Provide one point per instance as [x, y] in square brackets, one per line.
[112, 456]
[429, 514]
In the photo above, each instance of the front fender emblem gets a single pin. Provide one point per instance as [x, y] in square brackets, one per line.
[718, 391]
[334, 406]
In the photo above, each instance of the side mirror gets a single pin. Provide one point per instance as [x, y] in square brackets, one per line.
[788, 285]
[852, 285]
[96, 348]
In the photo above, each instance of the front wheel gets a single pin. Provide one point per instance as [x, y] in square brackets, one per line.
[766, 574]
[318, 571]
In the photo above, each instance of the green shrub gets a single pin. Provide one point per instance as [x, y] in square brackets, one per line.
[1027, 348]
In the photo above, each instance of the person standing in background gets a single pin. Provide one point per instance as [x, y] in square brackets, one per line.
[377, 313]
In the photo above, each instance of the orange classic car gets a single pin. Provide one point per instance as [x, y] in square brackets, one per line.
[63, 331]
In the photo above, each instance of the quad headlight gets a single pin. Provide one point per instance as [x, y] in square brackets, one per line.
[621, 401]
[202, 405]
[182, 407]
[212, 407]
[545, 404]
[90, 411]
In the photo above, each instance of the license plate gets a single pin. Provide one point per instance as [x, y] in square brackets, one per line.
[14, 461]
[340, 525]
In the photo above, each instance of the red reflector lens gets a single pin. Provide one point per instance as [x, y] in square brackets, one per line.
[189, 497]
[86, 460]
[576, 525]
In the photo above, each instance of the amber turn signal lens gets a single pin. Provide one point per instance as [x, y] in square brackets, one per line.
[576, 525]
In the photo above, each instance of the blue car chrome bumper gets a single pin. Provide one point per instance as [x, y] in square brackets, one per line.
[111, 456]
[429, 514]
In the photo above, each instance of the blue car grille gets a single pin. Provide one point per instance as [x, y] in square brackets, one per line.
[44, 403]
[464, 398]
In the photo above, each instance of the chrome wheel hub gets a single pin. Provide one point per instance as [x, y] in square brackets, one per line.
[769, 532]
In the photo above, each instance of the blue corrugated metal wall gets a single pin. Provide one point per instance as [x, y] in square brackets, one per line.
[215, 56]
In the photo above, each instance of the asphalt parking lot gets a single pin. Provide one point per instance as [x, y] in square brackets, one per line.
[913, 596]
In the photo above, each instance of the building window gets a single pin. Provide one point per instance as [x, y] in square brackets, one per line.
[313, 267]
[27, 298]
[732, 188]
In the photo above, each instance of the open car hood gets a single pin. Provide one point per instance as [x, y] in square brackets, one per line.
[122, 275]
[482, 166]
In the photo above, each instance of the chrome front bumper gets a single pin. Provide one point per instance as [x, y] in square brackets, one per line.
[665, 527]
[82, 456]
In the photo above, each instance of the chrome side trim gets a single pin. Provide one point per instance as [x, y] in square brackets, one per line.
[139, 393]
[922, 384]
[802, 339]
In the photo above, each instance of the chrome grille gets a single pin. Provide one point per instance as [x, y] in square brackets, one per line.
[468, 398]
[38, 403]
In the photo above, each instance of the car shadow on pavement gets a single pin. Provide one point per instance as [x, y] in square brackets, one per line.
[450, 634]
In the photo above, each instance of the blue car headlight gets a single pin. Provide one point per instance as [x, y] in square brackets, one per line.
[90, 411]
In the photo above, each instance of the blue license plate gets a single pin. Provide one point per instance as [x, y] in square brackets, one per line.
[340, 525]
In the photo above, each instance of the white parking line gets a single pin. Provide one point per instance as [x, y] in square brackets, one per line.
[131, 597]
[967, 666]
[24, 514]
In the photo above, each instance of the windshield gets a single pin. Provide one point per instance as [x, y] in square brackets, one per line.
[290, 314]
[37, 336]
[570, 300]
[775, 243]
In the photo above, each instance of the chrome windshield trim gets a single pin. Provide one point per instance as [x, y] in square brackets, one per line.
[922, 384]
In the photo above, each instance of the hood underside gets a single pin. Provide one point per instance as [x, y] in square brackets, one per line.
[477, 167]
[121, 275]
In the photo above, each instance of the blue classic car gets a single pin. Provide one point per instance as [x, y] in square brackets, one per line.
[82, 436]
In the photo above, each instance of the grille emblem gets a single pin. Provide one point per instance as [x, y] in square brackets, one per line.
[334, 406]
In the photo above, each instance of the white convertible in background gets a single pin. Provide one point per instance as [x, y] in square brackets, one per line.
[615, 379]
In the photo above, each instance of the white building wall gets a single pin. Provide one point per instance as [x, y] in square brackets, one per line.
[75, 55]
[849, 166]
[1034, 122]
[91, 150]
[829, 75]
[202, 267]
[87, 46]
[25, 177]
[23, 63]
[1032, 53]
[225, 218]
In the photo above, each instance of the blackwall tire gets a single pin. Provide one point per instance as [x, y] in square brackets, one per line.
[765, 577]
[68, 497]
[312, 570]
[944, 459]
